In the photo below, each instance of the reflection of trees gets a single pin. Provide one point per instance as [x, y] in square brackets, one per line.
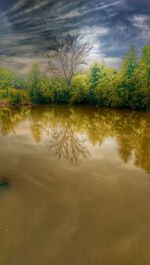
[61, 133]
[10, 118]
[65, 127]
[67, 144]
[36, 131]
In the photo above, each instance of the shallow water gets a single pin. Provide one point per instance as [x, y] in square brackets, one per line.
[78, 188]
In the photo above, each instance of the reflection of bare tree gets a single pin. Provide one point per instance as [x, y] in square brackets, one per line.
[67, 144]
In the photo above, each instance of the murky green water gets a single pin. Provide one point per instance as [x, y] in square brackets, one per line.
[78, 186]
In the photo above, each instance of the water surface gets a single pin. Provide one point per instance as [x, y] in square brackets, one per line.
[78, 188]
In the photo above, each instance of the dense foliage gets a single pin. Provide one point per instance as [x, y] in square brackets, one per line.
[129, 87]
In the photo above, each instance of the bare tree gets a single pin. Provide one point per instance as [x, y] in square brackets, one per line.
[66, 55]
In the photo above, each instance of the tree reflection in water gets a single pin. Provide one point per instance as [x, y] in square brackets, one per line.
[10, 118]
[67, 144]
[67, 128]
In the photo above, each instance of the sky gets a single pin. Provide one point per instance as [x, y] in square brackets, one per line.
[112, 26]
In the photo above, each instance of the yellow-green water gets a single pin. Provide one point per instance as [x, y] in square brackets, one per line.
[78, 186]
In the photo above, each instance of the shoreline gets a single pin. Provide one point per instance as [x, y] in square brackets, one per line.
[4, 105]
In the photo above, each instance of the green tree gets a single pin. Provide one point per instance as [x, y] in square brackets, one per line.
[34, 88]
[6, 78]
[79, 89]
[142, 77]
[129, 63]
[127, 84]
[96, 72]
[106, 89]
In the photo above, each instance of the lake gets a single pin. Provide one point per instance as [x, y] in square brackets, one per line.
[78, 186]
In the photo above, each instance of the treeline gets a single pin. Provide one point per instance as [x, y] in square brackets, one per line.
[128, 87]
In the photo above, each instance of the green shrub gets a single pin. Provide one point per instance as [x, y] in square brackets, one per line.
[3, 94]
[17, 97]
[79, 89]
[53, 91]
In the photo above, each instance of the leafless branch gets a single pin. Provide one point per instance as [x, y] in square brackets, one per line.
[66, 55]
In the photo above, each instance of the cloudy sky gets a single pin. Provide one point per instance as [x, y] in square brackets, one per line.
[27, 26]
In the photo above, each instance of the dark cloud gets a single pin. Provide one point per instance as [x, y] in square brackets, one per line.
[27, 26]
